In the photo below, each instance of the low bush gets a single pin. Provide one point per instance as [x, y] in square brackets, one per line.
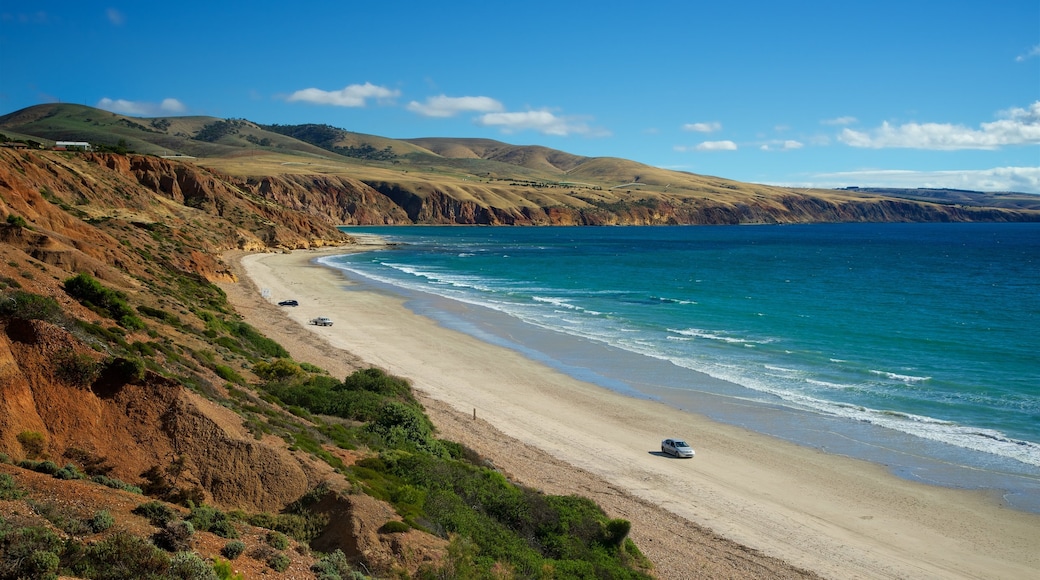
[8, 488]
[233, 549]
[116, 484]
[209, 519]
[190, 566]
[158, 513]
[76, 369]
[120, 556]
[224, 571]
[92, 294]
[333, 566]
[70, 471]
[175, 536]
[277, 540]
[101, 521]
[29, 306]
[279, 562]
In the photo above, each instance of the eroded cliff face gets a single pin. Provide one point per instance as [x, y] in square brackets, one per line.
[134, 424]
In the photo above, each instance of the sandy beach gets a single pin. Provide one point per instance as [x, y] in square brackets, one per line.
[746, 506]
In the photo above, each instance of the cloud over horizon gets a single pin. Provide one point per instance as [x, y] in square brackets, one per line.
[997, 179]
[1017, 127]
[349, 96]
[445, 106]
[141, 108]
[543, 121]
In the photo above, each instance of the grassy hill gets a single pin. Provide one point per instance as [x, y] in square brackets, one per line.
[449, 180]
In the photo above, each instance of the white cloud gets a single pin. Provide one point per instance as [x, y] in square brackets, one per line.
[1035, 51]
[716, 146]
[349, 96]
[846, 120]
[1017, 127]
[542, 121]
[444, 106]
[141, 108]
[115, 17]
[785, 145]
[1022, 179]
[171, 106]
[703, 127]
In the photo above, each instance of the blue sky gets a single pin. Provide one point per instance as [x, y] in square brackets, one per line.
[803, 93]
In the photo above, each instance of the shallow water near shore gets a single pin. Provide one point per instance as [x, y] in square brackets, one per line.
[910, 345]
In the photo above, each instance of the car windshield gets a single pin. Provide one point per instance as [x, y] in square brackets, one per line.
[681, 444]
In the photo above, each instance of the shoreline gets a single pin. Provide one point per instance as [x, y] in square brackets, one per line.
[836, 516]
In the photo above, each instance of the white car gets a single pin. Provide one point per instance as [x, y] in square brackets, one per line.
[321, 321]
[676, 447]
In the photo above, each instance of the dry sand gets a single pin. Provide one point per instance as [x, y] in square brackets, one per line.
[747, 505]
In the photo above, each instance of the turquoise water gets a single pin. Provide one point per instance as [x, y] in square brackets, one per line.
[913, 345]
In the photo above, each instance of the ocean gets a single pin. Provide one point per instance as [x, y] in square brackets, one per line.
[911, 345]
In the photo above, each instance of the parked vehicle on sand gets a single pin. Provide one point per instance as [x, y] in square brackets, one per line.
[677, 448]
[288, 303]
[321, 321]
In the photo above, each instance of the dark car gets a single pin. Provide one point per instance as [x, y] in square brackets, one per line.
[288, 303]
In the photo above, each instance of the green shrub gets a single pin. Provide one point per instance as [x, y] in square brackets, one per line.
[48, 467]
[101, 521]
[277, 540]
[160, 314]
[233, 549]
[29, 306]
[228, 374]
[8, 488]
[20, 543]
[115, 484]
[405, 426]
[157, 512]
[121, 556]
[190, 566]
[17, 220]
[224, 571]
[279, 562]
[70, 471]
[43, 565]
[76, 369]
[258, 343]
[333, 566]
[209, 519]
[91, 293]
[279, 370]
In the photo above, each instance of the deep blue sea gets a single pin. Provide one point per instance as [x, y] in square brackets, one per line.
[916, 346]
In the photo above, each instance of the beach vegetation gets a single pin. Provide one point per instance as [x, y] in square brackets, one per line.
[233, 549]
[445, 489]
[29, 306]
[105, 301]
